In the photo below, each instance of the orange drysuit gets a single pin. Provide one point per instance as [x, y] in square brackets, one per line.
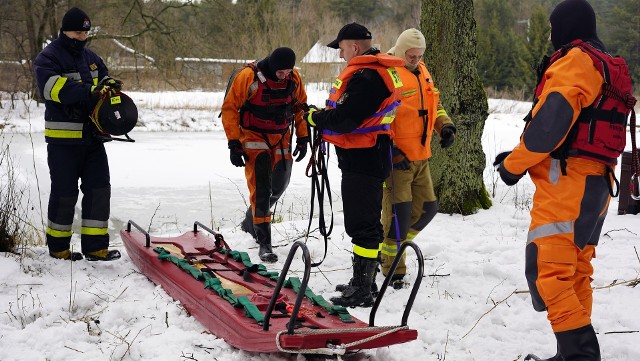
[568, 210]
[268, 168]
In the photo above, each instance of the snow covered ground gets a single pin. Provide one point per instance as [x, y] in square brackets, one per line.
[178, 171]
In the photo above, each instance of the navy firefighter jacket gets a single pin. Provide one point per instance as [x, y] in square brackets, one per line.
[65, 71]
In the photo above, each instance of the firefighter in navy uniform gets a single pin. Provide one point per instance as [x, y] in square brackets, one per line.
[70, 78]
[361, 105]
[573, 136]
[262, 104]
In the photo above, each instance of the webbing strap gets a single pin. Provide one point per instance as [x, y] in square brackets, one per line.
[212, 282]
[251, 267]
[317, 300]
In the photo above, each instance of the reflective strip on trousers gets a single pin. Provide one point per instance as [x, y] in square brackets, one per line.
[265, 146]
[59, 230]
[550, 230]
[95, 228]
[365, 252]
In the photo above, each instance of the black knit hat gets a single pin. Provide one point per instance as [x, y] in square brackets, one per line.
[76, 20]
[572, 20]
[282, 58]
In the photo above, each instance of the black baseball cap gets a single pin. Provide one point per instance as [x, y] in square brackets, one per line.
[353, 31]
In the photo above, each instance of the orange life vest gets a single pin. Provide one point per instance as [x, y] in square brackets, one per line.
[366, 134]
[416, 116]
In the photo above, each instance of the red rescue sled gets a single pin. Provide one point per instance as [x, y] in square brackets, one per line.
[247, 306]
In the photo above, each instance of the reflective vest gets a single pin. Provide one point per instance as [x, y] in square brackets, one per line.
[366, 134]
[599, 133]
[416, 116]
[270, 109]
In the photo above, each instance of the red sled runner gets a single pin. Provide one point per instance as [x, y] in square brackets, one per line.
[253, 309]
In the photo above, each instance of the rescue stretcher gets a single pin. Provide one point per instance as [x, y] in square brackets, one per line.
[253, 309]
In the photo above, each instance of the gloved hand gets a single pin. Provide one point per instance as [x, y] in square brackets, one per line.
[114, 84]
[308, 115]
[500, 157]
[301, 148]
[507, 177]
[447, 135]
[237, 154]
[100, 90]
[400, 161]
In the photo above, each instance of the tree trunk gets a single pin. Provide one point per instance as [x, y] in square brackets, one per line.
[450, 31]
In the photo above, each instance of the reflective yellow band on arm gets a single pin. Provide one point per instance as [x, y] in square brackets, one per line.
[441, 112]
[365, 252]
[55, 133]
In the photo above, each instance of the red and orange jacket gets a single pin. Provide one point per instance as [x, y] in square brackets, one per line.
[570, 84]
[244, 88]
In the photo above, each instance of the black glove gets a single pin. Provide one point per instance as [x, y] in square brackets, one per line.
[114, 84]
[447, 135]
[308, 115]
[500, 157]
[237, 154]
[301, 148]
[507, 177]
[400, 161]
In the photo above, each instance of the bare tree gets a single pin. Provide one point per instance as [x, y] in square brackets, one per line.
[451, 57]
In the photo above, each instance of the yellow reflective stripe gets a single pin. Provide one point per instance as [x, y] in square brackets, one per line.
[388, 252]
[411, 236]
[409, 92]
[95, 231]
[397, 82]
[388, 119]
[55, 233]
[55, 91]
[441, 112]
[365, 252]
[55, 133]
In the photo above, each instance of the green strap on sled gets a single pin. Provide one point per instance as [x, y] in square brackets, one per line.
[212, 282]
[252, 267]
[317, 300]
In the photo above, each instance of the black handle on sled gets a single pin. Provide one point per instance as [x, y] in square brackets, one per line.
[146, 235]
[220, 242]
[303, 286]
[387, 280]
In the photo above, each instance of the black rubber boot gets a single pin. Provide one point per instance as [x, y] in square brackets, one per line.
[343, 286]
[266, 253]
[263, 237]
[532, 357]
[358, 292]
[580, 344]
[247, 223]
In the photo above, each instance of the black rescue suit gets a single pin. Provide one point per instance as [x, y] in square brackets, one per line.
[65, 72]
